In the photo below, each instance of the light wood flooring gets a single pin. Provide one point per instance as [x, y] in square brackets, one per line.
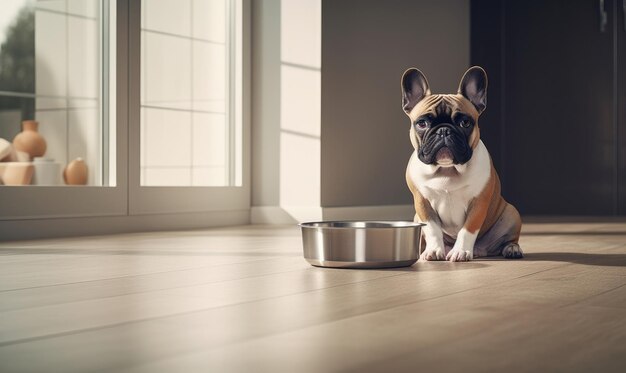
[243, 299]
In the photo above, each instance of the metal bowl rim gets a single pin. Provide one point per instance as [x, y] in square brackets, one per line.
[390, 224]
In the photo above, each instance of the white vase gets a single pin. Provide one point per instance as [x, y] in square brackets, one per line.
[47, 172]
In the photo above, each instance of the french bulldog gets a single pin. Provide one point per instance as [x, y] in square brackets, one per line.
[455, 187]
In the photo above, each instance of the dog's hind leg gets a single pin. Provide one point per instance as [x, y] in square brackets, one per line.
[503, 236]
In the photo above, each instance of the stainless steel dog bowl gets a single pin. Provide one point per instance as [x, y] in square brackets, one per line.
[361, 244]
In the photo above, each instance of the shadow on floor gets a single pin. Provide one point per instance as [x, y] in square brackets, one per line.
[609, 260]
[575, 233]
[438, 266]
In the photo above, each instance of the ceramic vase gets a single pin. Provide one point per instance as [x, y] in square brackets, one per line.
[6, 149]
[75, 172]
[47, 172]
[29, 140]
[17, 173]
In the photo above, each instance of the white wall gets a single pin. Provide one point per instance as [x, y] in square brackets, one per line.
[286, 52]
[265, 102]
[300, 103]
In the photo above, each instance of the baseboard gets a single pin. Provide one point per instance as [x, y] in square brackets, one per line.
[294, 215]
[572, 219]
[284, 215]
[27, 229]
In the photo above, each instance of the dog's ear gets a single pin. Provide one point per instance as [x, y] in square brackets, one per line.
[414, 88]
[474, 87]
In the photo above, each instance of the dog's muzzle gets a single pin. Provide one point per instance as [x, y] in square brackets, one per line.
[443, 142]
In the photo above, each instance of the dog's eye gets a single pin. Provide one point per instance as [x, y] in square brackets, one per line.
[422, 123]
[465, 123]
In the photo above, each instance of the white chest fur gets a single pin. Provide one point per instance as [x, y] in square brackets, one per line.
[451, 191]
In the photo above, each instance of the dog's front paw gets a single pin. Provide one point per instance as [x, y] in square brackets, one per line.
[433, 254]
[459, 255]
[512, 251]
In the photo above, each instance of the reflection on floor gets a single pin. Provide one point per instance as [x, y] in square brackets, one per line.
[242, 299]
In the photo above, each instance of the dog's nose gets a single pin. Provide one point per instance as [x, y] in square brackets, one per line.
[443, 132]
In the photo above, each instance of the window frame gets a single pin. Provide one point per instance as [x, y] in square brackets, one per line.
[128, 197]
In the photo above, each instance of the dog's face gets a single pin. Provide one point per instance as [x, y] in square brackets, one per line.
[444, 128]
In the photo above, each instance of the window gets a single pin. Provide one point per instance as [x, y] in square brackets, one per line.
[54, 68]
[179, 109]
[191, 93]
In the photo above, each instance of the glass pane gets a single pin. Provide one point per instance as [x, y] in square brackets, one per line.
[54, 84]
[190, 93]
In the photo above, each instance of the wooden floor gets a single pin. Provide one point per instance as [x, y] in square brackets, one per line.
[243, 299]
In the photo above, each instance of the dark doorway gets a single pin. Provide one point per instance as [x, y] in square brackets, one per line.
[555, 116]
